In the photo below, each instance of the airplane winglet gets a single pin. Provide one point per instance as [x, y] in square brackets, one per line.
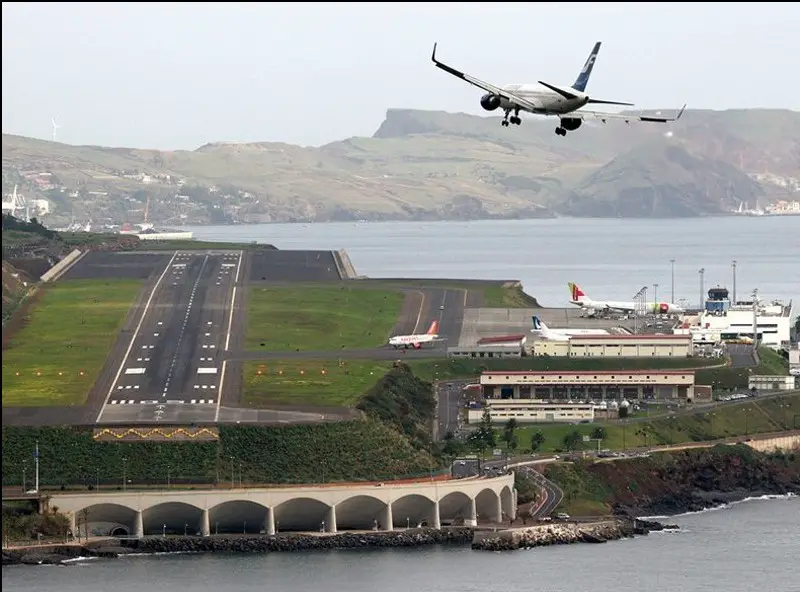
[680, 113]
[433, 55]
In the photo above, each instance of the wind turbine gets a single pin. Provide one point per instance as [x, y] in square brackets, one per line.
[55, 128]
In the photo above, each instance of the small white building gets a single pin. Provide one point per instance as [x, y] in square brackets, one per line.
[501, 411]
[772, 383]
[503, 346]
[617, 346]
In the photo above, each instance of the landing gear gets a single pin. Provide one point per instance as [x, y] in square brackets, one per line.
[560, 131]
[514, 119]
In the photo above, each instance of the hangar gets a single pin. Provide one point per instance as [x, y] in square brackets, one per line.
[592, 385]
[502, 346]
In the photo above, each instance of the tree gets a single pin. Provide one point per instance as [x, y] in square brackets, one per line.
[486, 433]
[599, 433]
[571, 440]
[623, 411]
[509, 430]
[537, 439]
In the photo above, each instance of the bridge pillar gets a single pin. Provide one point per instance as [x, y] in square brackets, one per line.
[387, 519]
[330, 520]
[435, 520]
[205, 525]
[138, 525]
[472, 519]
[514, 502]
[498, 513]
[73, 525]
[269, 522]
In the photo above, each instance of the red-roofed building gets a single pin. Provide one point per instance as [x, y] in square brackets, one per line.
[501, 346]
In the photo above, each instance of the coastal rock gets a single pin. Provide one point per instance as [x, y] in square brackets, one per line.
[563, 534]
[299, 542]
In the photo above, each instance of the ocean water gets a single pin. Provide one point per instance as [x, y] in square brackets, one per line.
[609, 258]
[748, 547]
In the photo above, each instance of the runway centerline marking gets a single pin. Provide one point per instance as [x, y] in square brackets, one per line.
[233, 302]
[174, 361]
[135, 334]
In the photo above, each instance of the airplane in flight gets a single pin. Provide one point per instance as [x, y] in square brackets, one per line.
[416, 341]
[550, 99]
[579, 298]
[545, 332]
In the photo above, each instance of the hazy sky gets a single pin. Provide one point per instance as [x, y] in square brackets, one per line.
[178, 75]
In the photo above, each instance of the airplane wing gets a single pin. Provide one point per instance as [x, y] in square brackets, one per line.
[626, 117]
[490, 88]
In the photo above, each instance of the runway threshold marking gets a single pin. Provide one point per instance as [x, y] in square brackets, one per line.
[136, 333]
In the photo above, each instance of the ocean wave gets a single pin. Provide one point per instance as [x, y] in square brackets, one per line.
[768, 497]
[78, 559]
[156, 554]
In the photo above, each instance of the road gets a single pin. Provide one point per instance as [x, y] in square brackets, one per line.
[449, 402]
[173, 368]
[741, 355]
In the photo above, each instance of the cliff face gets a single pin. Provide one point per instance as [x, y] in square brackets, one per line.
[676, 482]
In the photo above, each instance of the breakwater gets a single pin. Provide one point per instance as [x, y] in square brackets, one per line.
[564, 533]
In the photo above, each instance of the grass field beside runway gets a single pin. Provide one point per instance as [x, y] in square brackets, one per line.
[304, 318]
[56, 356]
[745, 419]
[495, 294]
[326, 383]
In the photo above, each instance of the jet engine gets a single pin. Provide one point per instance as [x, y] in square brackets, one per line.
[570, 123]
[490, 102]
[663, 308]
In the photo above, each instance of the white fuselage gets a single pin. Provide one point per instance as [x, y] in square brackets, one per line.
[565, 334]
[412, 340]
[630, 307]
[545, 100]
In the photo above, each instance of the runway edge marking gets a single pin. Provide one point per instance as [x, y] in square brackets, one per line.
[228, 337]
[135, 335]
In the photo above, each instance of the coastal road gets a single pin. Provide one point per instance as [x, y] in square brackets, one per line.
[173, 368]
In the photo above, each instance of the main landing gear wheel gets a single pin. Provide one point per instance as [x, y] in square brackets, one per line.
[560, 131]
[513, 120]
[504, 123]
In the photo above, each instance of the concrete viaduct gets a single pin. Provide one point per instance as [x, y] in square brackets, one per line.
[384, 506]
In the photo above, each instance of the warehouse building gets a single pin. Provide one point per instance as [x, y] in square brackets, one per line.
[593, 385]
[617, 346]
[771, 383]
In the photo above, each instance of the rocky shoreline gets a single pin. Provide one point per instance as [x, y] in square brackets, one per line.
[288, 542]
[565, 533]
[534, 536]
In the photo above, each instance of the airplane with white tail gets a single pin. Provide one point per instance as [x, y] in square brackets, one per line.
[543, 331]
[415, 341]
[579, 298]
[543, 98]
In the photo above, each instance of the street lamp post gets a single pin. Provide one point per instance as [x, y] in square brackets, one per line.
[733, 265]
[233, 476]
[655, 293]
[97, 486]
[672, 278]
[124, 473]
[702, 272]
[168, 476]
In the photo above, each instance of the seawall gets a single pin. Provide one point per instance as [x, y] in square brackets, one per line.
[563, 533]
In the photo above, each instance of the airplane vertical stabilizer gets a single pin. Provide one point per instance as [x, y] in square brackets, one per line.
[583, 78]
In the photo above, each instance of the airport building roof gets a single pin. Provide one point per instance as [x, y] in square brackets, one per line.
[647, 337]
[501, 339]
[585, 372]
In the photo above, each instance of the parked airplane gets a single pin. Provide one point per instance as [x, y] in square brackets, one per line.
[545, 332]
[416, 341]
[550, 99]
[579, 298]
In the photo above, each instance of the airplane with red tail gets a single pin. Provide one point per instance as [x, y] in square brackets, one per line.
[579, 298]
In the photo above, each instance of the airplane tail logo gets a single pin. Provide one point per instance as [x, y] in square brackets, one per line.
[433, 328]
[583, 77]
[538, 325]
[577, 294]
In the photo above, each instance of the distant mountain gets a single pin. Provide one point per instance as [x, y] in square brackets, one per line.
[428, 165]
[662, 179]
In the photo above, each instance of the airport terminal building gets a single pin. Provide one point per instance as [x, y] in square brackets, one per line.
[617, 346]
[593, 385]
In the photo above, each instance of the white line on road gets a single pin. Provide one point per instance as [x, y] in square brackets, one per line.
[136, 333]
[421, 307]
[233, 302]
[219, 393]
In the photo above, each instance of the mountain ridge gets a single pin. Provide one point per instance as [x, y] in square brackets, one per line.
[429, 165]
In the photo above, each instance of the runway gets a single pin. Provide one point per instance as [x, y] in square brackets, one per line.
[172, 369]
